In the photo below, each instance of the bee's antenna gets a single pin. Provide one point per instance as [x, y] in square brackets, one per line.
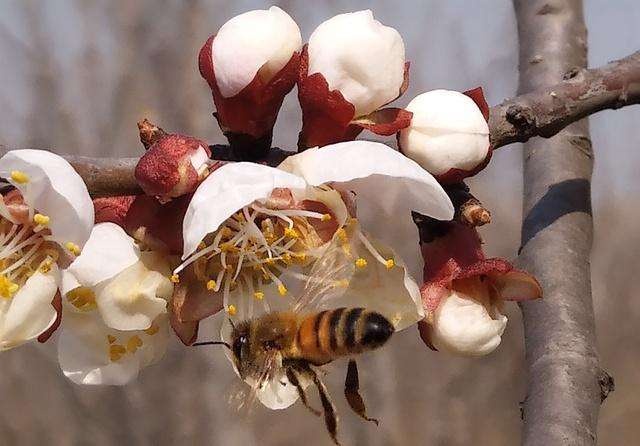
[226, 344]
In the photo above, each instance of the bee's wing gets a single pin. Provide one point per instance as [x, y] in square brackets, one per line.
[244, 398]
[328, 278]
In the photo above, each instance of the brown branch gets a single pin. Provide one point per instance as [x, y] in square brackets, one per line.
[564, 379]
[543, 112]
[550, 108]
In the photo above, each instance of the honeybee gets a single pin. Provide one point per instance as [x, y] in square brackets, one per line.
[293, 343]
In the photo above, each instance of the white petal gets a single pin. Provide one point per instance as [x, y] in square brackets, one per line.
[388, 186]
[54, 189]
[463, 326]
[359, 56]
[29, 313]
[447, 131]
[133, 299]
[108, 252]
[226, 190]
[249, 41]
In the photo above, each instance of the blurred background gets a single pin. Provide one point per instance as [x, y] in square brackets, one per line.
[75, 76]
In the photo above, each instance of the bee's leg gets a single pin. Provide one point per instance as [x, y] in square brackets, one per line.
[352, 392]
[330, 417]
[293, 379]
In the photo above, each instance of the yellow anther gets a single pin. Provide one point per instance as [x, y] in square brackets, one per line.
[211, 285]
[258, 295]
[82, 298]
[41, 220]
[73, 248]
[269, 261]
[19, 176]
[134, 343]
[228, 247]
[174, 278]
[111, 339]
[231, 309]
[152, 330]
[291, 233]
[390, 263]
[325, 217]
[342, 234]
[45, 266]
[116, 352]
[361, 263]
[286, 258]
[7, 287]
[282, 289]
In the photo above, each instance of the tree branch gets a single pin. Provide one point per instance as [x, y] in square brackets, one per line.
[563, 390]
[543, 112]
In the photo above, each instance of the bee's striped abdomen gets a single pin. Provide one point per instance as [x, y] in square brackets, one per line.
[331, 334]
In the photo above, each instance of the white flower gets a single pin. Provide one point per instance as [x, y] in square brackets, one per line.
[44, 222]
[468, 323]
[360, 57]
[115, 305]
[260, 40]
[447, 131]
[251, 230]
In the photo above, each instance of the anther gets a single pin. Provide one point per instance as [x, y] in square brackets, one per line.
[361, 262]
[174, 278]
[231, 309]
[73, 248]
[211, 285]
[282, 289]
[325, 217]
[153, 329]
[290, 232]
[134, 343]
[41, 220]
[19, 176]
[389, 263]
[258, 295]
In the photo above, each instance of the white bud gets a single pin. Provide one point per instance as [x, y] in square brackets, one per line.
[465, 326]
[248, 42]
[447, 131]
[360, 57]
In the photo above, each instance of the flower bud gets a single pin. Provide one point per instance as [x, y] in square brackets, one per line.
[250, 65]
[448, 135]
[353, 66]
[173, 166]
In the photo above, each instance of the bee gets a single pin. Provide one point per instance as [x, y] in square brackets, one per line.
[294, 342]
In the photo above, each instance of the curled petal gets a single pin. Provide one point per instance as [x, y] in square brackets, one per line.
[29, 313]
[228, 189]
[53, 188]
[385, 121]
[517, 285]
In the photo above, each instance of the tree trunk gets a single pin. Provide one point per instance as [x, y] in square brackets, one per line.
[563, 391]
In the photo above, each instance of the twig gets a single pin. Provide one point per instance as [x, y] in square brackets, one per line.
[563, 390]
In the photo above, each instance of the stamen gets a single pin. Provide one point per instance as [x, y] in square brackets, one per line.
[73, 248]
[389, 263]
[211, 285]
[258, 295]
[174, 278]
[361, 262]
[7, 287]
[19, 177]
[282, 289]
[231, 309]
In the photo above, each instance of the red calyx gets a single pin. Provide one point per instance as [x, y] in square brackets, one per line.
[328, 118]
[112, 209]
[166, 170]
[457, 175]
[247, 119]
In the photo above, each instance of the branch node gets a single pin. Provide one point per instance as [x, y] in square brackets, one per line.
[607, 384]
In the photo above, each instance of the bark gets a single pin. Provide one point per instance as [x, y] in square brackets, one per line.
[563, 391]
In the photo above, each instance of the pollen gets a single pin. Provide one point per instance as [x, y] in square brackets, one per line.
[174, 278]
[282, 289]
[291, 233]
[152, 330]
[73, 248]
[389, 263]
[134, 343]
[41, 220]
[325, 217]
[258, 295]
[361, 262]
[7, 287]
[19, 177]
[211, 285]
[231, 309]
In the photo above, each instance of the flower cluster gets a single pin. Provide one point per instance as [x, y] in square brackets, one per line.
[237, 234]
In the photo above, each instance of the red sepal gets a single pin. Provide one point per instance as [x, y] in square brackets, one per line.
[112, 209]
[457, 175]
[250, 115]
[385, 121]
[57, 304]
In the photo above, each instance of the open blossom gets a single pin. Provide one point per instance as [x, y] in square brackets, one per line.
[449, 133]
[250, 65]
[115, 309]
[464, 292]
[252, 233]
[44, 223]
[352, 66]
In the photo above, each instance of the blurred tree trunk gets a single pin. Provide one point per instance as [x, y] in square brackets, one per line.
[563, 395]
